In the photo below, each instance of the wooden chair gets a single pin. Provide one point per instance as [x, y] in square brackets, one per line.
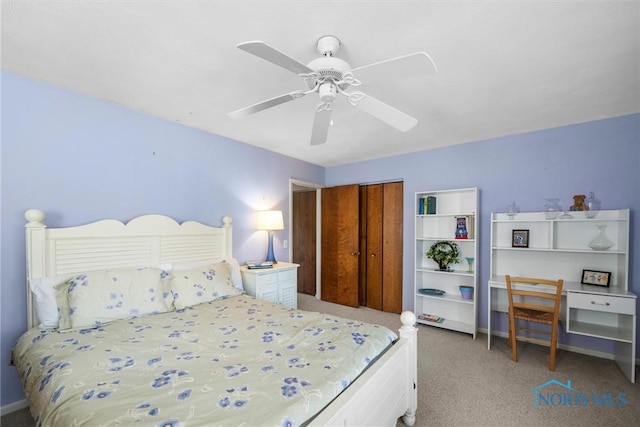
[540, 305]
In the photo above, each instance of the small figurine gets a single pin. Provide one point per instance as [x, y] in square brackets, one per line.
[578, 202]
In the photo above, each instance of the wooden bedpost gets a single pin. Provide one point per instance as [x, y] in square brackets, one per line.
[409, 331]
[36, 262]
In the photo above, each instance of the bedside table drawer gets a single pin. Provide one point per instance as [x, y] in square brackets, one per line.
[284, 276]
[267, 279]
[606, 303]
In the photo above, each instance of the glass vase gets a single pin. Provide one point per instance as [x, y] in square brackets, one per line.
[551, 208]
[470, 262]
[601, 242]
[512, 209]
[591, 205]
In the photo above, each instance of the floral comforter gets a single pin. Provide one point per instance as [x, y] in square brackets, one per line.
[236, 361]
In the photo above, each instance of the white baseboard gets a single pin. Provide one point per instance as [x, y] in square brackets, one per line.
[12, 407]
[572, 348]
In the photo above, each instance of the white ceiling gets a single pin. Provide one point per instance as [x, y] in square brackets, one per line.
[504, 67]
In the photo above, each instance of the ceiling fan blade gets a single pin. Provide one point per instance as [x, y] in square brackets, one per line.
[243, 112]
[414, 65]
[264, 51]
[321, 123]
[386, 113]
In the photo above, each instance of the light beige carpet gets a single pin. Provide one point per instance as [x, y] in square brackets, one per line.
[461, 383]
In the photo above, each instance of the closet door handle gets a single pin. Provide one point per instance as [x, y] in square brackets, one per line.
[373, 255]
[355, 253]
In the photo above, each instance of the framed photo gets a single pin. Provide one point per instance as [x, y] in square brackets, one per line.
[461, 227]
[597, 278]
[520, 238]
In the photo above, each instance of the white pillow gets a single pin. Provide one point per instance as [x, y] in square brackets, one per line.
[43, 290]
[235, 273]
[203, 284]
[236, 277]
[99, 297]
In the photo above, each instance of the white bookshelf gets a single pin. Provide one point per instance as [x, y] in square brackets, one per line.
[458, 314]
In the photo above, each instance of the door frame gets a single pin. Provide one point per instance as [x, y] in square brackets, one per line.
[293, 183]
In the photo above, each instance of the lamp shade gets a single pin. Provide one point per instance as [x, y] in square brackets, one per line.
[270, 220]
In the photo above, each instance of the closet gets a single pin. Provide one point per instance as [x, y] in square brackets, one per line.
[362, 245]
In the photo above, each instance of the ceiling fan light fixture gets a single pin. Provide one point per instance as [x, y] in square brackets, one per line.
[327, 92]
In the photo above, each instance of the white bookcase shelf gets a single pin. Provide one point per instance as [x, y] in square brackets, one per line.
[457, 313]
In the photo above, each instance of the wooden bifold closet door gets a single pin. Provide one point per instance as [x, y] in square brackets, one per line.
[340, 252]
[381, 246]
[362, 245]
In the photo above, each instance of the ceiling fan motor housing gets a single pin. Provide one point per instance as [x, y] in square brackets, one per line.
[329, 68]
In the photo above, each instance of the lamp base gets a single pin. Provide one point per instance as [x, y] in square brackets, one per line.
[270, 255]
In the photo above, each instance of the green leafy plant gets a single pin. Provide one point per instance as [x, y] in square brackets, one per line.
[444, 252]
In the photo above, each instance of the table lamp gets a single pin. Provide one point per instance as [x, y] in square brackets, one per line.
[270, 221]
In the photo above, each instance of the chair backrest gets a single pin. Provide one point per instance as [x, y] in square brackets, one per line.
[534, 296]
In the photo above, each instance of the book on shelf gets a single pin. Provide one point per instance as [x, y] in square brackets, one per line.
[430, 205]
[430, 318]
[427, 205]
[259, 264]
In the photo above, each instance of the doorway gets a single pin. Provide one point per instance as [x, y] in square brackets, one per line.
[305, 246]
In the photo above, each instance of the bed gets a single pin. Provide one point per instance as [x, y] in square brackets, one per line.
[193, 349]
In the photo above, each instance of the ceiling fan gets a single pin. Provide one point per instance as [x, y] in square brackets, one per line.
[329, 76]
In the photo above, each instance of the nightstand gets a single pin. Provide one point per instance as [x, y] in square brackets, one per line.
[278, 284]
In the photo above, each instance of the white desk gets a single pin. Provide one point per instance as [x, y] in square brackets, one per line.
[607, 313]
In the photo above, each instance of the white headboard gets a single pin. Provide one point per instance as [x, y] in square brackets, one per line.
[145, 241]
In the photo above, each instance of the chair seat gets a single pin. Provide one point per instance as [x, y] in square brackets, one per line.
[533, 315]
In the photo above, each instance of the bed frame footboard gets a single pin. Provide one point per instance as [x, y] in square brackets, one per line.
[385, 392]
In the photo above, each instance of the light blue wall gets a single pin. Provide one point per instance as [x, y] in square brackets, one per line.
[601, 156]
[80, 160]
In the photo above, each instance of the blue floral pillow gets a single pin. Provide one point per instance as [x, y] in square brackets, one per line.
[203, 284]
[94, 298]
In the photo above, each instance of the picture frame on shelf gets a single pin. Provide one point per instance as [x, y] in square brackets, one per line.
[520, 238]
[461, 228]
[596, 278]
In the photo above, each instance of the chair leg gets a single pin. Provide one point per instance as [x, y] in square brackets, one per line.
[552, 346]
[513, 343]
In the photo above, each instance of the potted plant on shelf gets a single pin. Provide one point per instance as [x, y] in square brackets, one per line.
[444, 252]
